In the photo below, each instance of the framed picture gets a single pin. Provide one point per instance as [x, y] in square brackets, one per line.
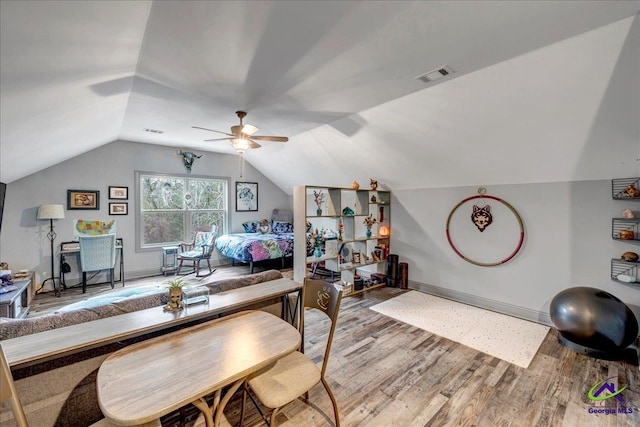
[119, 193]
[246, 196]
[83, 199]
[119, 208]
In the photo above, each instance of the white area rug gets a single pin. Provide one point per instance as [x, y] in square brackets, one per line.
[508, 338]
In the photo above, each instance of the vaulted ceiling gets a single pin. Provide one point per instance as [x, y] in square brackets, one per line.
[530, 100]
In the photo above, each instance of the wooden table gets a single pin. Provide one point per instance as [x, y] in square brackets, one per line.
[144, 381]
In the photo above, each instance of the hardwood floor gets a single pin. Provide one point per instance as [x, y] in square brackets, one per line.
[386, 373]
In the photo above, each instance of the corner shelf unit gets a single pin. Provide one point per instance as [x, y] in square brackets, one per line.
[342, 208]
[625, 229]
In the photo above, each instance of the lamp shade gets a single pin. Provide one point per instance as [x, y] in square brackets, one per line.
[50, 212]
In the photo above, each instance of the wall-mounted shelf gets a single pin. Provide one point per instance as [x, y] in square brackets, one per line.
[625, 268]
[620, 188]
[625, 229]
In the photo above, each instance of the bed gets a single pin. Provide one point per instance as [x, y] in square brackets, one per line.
[253, 245]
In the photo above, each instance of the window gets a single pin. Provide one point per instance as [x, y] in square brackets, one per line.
[172, 208]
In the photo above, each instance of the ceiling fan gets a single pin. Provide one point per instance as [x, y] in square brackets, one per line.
[242, 135]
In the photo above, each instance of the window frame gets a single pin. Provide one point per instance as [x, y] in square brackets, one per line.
[139, 226]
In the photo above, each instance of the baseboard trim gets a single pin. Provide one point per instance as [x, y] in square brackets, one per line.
[482, 302]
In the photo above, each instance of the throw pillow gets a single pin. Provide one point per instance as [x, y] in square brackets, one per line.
[279, 227]
[251, 226]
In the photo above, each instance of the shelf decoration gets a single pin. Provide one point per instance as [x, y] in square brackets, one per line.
[373, 183]
[318, 198]
[383, 231]
[368, 221]
[481, 218]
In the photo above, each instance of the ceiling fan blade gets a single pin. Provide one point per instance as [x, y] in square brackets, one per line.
[219, 139]
[254, 144]
[270, 138]
[211, 130]
[236, 130]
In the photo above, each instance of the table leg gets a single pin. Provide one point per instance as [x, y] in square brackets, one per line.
[213, 414]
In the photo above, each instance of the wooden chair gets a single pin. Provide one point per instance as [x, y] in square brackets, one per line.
[295, 374]
[191, 254]
[97, 253]
[8, 392]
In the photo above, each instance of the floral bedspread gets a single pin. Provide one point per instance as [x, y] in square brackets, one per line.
[247, 247]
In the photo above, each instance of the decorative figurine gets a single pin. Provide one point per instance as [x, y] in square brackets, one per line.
[374, 199]
[631, 191]
[175, 294]
[629, 256]
[374, 184]
[628, 214]
[355, 185]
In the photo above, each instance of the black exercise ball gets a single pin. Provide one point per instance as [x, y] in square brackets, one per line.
[594, 319]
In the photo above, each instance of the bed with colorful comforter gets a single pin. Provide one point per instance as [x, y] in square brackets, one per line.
[255, 246]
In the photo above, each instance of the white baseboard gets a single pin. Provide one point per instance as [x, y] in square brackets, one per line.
[486, 303]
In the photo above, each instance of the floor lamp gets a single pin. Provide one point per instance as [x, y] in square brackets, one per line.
[51, 212]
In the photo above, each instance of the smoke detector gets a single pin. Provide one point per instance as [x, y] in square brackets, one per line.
[436, 74]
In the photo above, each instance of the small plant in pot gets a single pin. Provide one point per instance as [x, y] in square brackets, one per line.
[175, 294]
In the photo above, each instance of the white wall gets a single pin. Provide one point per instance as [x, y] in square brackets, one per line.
[23, 241]
[567, 243]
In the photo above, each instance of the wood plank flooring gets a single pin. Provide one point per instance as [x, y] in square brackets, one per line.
[386, 373]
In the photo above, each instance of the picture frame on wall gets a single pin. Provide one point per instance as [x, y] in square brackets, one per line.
[118, 208]
[118, 193]
[83, 200]
[246, 196]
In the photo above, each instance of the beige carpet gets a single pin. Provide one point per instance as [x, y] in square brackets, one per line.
[508, 338]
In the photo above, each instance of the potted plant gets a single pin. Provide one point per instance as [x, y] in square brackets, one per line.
[175, 294]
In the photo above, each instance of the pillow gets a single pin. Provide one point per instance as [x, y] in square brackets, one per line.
[251, 226]
[282, 227]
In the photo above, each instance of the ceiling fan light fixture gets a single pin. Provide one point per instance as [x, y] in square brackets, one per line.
[241, 145]
[249, 129]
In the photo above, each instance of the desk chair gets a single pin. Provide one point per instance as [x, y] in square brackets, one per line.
[295, 374]
[97, 253]
[191, 254]
[8, 392]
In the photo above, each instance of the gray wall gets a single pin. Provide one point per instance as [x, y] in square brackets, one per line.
[23, 241]
[567, 243]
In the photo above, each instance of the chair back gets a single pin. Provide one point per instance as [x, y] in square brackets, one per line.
[8, 392]
[203, 240]
[325, 297]
[97, 252]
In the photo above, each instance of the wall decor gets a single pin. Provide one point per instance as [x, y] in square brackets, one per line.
[188, 158]
[487, 244]
[118, 193]
[119, 208]
[246, 196]
[83, 199]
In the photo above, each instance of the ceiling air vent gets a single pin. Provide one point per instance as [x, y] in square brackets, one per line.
[435, 74]
[153, 131]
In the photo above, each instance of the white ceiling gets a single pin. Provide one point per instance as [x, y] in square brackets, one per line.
[338, 78]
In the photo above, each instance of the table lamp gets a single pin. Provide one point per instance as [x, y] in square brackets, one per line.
[51, 212]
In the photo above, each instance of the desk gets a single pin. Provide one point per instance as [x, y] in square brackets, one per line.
[73, 248]
[144, 381]
[15, 304]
